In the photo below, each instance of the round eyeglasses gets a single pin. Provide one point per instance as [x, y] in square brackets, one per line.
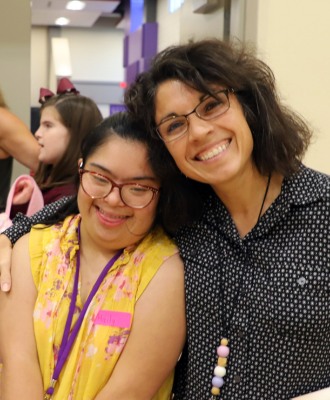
[98, 186]
[175, 127]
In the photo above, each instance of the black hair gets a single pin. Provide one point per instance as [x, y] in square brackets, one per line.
[174, 203]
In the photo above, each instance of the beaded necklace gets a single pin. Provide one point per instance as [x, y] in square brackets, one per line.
[223, 349]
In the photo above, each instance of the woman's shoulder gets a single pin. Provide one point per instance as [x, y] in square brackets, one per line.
[64, 231]
[8, 120]
[157, 241]
[151, 252]
[5, 115]
[157, 251]
[54, 241]
[307, 186]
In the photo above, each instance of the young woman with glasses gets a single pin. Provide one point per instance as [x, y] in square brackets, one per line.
[76, 325]
[253, 231]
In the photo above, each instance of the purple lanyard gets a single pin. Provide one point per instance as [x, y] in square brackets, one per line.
[67, 341]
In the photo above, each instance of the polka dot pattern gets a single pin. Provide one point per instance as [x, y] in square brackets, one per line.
[23, 224]
[272, 286]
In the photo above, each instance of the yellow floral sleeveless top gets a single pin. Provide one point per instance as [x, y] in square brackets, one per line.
[97, 347]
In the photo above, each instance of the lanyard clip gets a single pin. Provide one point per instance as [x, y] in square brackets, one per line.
[50, 390]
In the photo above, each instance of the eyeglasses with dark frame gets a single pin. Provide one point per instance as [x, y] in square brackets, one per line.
[98, 186]
[210, 108]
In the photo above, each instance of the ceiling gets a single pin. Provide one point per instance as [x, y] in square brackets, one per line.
[46, 12]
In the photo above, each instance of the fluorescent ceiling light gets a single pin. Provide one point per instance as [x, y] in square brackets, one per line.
[61, 57]
[76, 5]
[62, 21]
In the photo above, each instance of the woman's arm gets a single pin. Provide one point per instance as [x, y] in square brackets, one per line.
[21, 376]
[17, 140]
[21, 225]
[156, 339]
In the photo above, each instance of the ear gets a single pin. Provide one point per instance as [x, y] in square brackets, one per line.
[80, 163]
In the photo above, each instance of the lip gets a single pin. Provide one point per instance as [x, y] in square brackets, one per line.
[110, 220]
[207, 150]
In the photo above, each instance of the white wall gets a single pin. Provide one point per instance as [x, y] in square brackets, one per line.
[96, 53]
[184, 25]
[194, 26]
[15, 26]
[168, 25]
[293, 38]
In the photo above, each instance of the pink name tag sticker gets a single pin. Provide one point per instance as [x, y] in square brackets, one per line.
[113, 318]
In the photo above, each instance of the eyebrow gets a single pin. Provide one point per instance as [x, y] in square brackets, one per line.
[133, 178]
[201, 98]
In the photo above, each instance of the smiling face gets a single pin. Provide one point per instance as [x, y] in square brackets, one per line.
[53, 137]
[108, 222]
[217, 151]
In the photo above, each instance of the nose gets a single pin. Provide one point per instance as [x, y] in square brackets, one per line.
[198, 128]
[38, 133]
[113, 198]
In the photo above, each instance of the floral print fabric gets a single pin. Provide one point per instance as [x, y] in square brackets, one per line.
[97, 348]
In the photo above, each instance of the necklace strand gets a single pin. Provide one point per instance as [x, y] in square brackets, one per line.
[223, 349]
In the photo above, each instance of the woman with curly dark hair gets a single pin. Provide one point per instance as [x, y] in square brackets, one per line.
[251, 222]
[257, 260]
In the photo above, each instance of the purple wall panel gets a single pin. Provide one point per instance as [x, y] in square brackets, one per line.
[126, 44]
[136, 14]
[140, 45]
[131, 72]
[135, 46]
[114, 108]
[127, 17]
[149, 39]
[145, 64]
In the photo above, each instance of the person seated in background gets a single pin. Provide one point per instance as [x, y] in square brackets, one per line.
[127, 319]
[15, 141]
[65, 120]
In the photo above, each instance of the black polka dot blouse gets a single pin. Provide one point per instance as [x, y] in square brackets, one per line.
[268, 293]
[23, 224]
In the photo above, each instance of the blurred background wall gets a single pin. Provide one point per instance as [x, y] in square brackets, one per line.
[293, 37]
[15, 32]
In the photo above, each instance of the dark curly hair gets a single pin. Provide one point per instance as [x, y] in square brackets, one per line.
[280, 135]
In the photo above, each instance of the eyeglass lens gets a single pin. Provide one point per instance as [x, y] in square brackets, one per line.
[132, 195]
[210, 108]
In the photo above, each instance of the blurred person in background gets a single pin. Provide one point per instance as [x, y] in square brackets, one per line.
[16, 141]
[65, 119]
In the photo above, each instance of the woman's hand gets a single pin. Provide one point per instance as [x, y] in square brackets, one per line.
[23, 191]
[6, 249]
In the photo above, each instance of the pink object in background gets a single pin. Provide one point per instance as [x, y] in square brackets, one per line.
[36, 202]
